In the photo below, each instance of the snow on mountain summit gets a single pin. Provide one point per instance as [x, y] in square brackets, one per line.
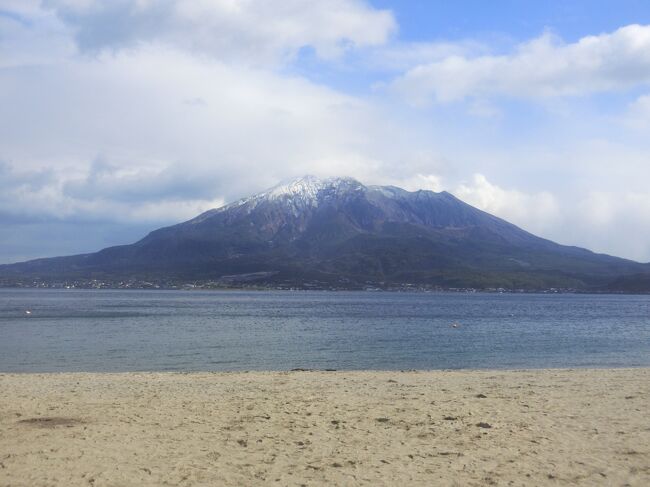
[309, 192]
[303, 191]
[294, 194]
[308, 188]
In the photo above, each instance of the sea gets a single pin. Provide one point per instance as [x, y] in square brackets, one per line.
[64, 330]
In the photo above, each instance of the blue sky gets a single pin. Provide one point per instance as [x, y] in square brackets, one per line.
[122, 116]
[519, 20]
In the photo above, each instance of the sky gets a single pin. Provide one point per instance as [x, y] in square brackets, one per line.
[118, 117]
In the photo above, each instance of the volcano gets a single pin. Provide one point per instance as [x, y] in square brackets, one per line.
[338, 233]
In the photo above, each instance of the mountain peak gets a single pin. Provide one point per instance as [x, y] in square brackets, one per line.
[309, 185]
[305, 190]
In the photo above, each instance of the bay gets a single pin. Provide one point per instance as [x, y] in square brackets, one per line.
[152, 330]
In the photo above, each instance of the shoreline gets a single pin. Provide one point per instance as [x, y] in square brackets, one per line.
[480, 291]
[593, 368]
[446, 427]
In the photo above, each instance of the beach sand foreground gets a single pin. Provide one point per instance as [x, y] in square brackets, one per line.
[456, 428]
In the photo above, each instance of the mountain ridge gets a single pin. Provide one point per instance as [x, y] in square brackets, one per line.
[338, 233]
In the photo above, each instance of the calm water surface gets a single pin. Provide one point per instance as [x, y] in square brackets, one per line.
[113, 330]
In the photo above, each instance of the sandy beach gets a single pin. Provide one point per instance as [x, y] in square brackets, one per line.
[456, 428]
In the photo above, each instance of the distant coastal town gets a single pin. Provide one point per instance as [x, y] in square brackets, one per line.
[171, 284]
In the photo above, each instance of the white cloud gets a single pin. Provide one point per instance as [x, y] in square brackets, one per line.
[544, 67]
[537, 212]
[484, 109]
[243, 31]
[605, 209]
[30, 35]
[118, 137]
[638, 113]
[610, 222]
[105, 194]
[21, 7]
[400, 56]
[430, 182]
